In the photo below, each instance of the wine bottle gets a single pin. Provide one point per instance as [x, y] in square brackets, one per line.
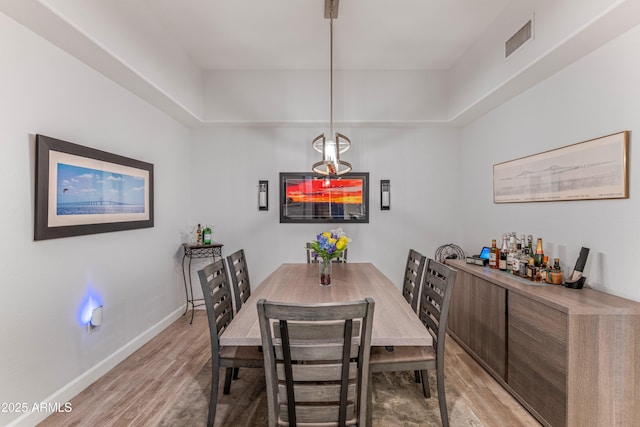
[512, 252]
[524, 262]
[206, 235]
[493, 254]
[515, 262]
[504, 252]
[199, 235]
[538, 257]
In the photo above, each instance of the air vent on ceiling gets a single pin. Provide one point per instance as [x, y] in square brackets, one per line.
[518, 39]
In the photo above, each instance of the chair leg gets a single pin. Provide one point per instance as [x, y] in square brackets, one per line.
[442, 400]
[424, 375]
[227, 380]
[235, 373]
[417, 374]
[370, 400]
[213, 399]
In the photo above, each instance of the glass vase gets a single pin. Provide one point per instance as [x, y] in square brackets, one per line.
[325, 271]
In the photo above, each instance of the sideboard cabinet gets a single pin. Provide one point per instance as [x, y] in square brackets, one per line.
[570, 356]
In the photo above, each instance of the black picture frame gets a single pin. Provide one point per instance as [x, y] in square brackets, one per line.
[312, 198]
[80, 190]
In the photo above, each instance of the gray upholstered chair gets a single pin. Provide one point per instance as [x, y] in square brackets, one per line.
[435, 296]
[316, 362]
[217, 298]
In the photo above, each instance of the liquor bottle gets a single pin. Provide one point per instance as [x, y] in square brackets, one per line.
[545, 270]
[504, 251]
[206, 235]
[539, 255]
[512, 252]
[199, 235]
[493, 255]
[515, 261]
[531, 269]
[556, 272]
[524, 261]
[530, 244]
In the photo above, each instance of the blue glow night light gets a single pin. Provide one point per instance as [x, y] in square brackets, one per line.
[90, 302]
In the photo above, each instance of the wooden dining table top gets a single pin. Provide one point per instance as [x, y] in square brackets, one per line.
[394, 323]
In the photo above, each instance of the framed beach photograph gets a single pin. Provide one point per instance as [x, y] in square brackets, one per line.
[590, 170]
[81, 190]
[307, 197]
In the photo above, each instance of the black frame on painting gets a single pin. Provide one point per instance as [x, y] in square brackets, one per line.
[49, 223]
[302, 211]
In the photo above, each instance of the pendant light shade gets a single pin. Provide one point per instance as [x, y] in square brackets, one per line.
[331, 150]
[336, 143]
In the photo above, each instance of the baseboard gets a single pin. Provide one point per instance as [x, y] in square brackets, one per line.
[69, 391]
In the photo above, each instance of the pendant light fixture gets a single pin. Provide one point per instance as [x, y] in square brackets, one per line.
[335, 144]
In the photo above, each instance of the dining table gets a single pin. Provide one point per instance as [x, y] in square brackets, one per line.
[394, 322]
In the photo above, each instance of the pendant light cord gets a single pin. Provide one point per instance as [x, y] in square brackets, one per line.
[331, 72]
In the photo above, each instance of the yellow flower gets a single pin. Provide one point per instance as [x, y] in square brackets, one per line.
[344, 239]
[332, 241]
[341, 244]
[327, 234]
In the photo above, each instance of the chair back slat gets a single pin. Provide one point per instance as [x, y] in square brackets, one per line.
[437, 287]
[313, 393]
[324, 331]
[326, 415]
[217, 298]
[317, 352]
[239, 273]
[326, 372]
[412, 276]
[317, 363]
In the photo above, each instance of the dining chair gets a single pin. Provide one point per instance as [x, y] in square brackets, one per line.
[413, 272]
[217, 298]
[312, 256]
[317, 365]
[237, 263]
[437, 286]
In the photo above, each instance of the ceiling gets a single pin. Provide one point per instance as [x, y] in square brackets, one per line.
[183, 56]
[293, 34]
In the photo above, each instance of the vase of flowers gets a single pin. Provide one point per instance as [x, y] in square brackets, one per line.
[328, 246]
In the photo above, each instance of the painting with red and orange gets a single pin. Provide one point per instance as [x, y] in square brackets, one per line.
[342, 191]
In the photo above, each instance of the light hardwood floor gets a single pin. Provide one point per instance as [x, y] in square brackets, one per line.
[142, 389]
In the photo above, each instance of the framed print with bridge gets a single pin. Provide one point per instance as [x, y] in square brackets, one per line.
[589, 170]
[81, 190]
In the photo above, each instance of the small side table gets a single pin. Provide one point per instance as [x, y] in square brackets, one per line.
[195, 251]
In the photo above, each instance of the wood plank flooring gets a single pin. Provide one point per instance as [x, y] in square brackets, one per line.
[142, 389]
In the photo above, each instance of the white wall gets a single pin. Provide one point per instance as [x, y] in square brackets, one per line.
[598, 95]
[303, 95]
[46, 354]
[421, 164]
[127, 31]
[563, 31]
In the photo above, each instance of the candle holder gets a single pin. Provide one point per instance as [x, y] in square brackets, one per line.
[263, 195]
[385, 195]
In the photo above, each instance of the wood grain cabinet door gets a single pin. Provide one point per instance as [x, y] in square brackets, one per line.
[537, 357]
[477, 320]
